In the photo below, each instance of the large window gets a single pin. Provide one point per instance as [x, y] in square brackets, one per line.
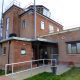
[42, 25]
[73, 48]
[51, 29]
[7, 27]
[46, 12]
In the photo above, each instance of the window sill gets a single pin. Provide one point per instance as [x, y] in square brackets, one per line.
[41, 29]
[2, 54]
[75, 54]
[51, 32]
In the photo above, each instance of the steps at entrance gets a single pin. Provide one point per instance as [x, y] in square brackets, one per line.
[61, 69]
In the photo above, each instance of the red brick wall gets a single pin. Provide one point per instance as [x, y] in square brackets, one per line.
[62, 38]
[14, 25]
[47, 22]
[28, 31]
[18, 45]
[15, 54]
[4, 57]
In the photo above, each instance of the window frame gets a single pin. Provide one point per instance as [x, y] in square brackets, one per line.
[4, 51]
[23, 23]
[77, 47]
[72, 43]
[42, 26]
[50, 27]
[23, 49]
[7, 27]
[58, 29]
[7, 23]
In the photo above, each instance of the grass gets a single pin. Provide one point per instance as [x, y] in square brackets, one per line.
[73, 74]
[2, 72]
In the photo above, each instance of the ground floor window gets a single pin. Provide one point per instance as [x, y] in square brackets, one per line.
[23, 52]
[4, 50]
[73, 47]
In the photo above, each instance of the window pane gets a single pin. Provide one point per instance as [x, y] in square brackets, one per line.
[23, 24]
[51, 29]
[6, 34]
[45, 12]
[7, 27]
[0, 48]
[69, 48]
[42, 25]
[58, 29]
[74, 48]
[78, 47]
[23, 51]
[7, 23]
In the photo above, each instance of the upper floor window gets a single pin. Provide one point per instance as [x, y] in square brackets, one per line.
[7, 23]
[58, 29]
[46, 12]
[51, 29]
[7, 27]
[42, 25]
[23, 24]
[73, 48]
[7, 35]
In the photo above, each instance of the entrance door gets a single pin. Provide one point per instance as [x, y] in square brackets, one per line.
[43, 53]
[54, 53]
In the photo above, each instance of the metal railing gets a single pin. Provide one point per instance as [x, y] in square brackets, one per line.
[30, 65]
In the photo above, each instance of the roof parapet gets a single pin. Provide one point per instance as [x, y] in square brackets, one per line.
[63, 31]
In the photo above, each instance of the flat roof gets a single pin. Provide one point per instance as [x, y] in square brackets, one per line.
[45, 40]
[27, 40]
[60, 32]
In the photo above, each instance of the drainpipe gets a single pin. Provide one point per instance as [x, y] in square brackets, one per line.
[34, 19]
[9, 42]
[9, 51]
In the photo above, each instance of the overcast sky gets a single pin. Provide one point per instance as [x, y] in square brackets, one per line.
[66, 12]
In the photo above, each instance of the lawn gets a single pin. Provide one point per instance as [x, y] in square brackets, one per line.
[73, 74]
[2, 72]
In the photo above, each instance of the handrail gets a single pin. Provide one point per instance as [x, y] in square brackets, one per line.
[29, 61]
[52, 64]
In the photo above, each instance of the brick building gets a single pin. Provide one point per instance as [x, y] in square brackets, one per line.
[19, 44]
